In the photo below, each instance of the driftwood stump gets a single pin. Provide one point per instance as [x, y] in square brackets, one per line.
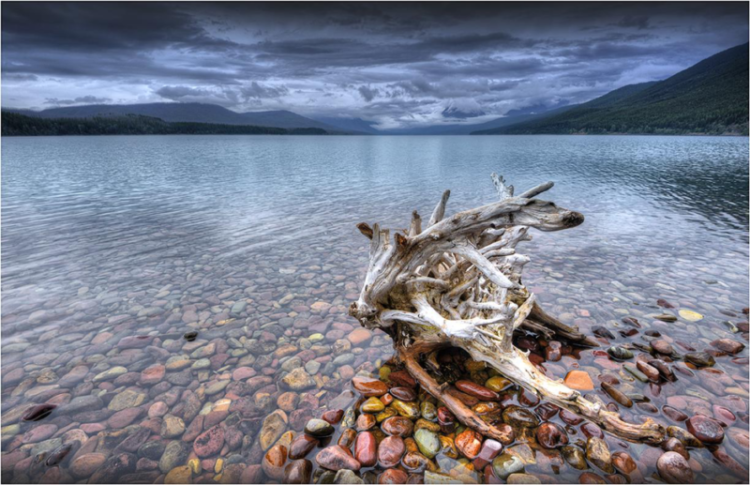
[457, 282]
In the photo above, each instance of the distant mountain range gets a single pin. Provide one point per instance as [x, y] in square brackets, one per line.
[186, 112]
[710, 97]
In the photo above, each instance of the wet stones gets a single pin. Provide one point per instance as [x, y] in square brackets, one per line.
[390, 451]
[398, 426]
[706, 429]
[372, 405]
[469, 443]
[597, 453]
[428, 442]
[662, 347]
[403, 393]
[551, 435]
[172, 427]
[575, 457]
[37, 413]
[85, 465]
[175, 453]
[299, 380]
[700, 359]
[506, 464]
[652, 373]
[366, 448]
[620, 353]
[519, 417]
[273, 462]
[480, 392]
[337, 458]
[580, 380]
[728, 345]
[273, 427]
[319, 428]
[210, 442]
[618, 396]
[446, 420]
[406, 409]
[674, 468]
[126, 399]
[39, 433]
[299, 471]
[369, 387]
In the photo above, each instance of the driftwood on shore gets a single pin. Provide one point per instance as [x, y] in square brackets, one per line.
[456, 281]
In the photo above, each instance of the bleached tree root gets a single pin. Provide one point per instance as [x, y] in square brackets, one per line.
[458, 282]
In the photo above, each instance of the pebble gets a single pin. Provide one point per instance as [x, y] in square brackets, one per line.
[390, 451]
[365, 448]
[673, 468]
[706, 429]
[337, 458]
[319, 428]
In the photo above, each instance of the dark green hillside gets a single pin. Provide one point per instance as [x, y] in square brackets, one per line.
[710, 98]
[15, 124]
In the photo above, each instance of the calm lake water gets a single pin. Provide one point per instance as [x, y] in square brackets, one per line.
[251, 241]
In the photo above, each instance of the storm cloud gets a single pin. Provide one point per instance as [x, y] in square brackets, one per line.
[396, 64]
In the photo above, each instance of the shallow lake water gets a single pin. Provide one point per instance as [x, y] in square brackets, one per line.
[114, 247]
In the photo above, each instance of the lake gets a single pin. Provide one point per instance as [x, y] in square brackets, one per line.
[251, 242]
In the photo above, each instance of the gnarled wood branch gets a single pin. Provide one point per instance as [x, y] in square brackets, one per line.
[458, 282]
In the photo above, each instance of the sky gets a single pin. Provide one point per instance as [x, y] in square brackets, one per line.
[398, 65]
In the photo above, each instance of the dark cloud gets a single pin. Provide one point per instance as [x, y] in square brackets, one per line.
[367, 93]
[78, 100]
[396, 63]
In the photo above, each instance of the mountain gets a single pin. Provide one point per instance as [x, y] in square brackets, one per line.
[467, 129]
[186, 112]
[16, 124]
[349, 124]
[710, 97]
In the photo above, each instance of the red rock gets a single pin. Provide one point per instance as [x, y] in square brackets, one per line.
[135, 342]
[724, 415]
[570, 418]
[551, 435]
[299, 471]
[274, 461]
[252, 474]
[39, 433]
[728, 345]
[333, 416]
[39, 412]
[706, 429]
[393, 475]
[366, 421]
[403, 393]
[124, 418]
[673, 468]
[152, 375]
[390, 451]
[590, 429]
[490, 449]
[674, 414]
[623, 462]
[359, 336]
[402, 378]
[369, 387]
[446, 419]
[85, 465]
[365, 448]
[469, 442]
[397, 426]
[210, 442]
[301, 446]
[480, 392]
[588, 477]
[337, 458]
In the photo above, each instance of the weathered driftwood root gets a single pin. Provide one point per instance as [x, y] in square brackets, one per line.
[458, 282]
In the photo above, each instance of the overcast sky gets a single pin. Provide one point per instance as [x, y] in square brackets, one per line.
[399, 65]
